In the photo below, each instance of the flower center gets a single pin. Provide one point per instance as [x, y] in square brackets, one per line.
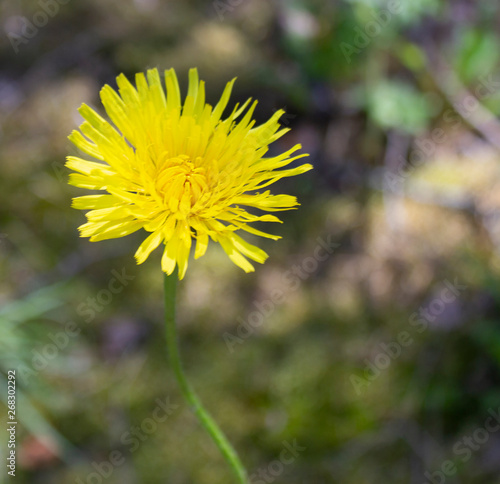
[181, 183]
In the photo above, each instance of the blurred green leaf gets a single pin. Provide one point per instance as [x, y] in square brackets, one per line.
[34, 304]
[477, 54]
[394, 104]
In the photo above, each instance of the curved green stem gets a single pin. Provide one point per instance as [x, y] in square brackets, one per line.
[170, 285]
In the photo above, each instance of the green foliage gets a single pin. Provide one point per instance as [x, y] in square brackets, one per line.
[476, 53]
[384, 105]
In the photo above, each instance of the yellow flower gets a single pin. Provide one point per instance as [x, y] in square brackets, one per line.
[179, 171]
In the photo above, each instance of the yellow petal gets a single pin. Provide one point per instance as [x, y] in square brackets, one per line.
[149, 244]
[94, 201]
[156, 89]
[173, 91]
[201, 245]
[85, 145]
[127, 92]
[114, 230]
[116, 109]
[89, 182]
[234, 255]
[221, 105]
[254, 231]
[182, 259]
[169, 257]
[87, 167]
[193, 82]
[108, 214]
[247, 249]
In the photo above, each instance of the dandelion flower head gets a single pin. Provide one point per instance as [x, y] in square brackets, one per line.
[179, 170]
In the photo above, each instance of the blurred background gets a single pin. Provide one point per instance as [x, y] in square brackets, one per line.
[377, 362]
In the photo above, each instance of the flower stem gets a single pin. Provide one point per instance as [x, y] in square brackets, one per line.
[170, 286]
